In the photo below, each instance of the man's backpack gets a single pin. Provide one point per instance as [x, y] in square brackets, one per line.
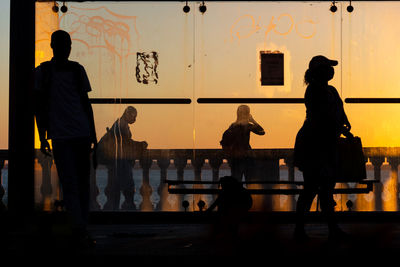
[106, 148]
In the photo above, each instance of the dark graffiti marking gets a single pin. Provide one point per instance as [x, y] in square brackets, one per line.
[146, 67]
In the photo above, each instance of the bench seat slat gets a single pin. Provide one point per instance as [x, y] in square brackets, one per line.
[270, 191]
[295, 191]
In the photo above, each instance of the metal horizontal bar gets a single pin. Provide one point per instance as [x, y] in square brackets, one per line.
[250, 100]
[215, 191]
[176, 182]
[233, 100]
[140, 100]
[372, 100]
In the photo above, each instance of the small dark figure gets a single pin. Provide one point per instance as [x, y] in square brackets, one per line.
[236, 143]
[232, 203]
[315, 152]
[64, 115]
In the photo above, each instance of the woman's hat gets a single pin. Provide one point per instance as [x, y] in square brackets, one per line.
[319, 61]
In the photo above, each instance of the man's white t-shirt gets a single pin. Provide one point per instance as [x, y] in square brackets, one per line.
[67, 117]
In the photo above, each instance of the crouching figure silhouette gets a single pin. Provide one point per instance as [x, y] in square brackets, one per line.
[233, 203]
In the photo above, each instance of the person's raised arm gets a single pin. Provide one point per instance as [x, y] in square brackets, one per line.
[257, 129]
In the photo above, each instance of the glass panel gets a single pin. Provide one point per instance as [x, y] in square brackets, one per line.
[230, 38]
[370, 52]
[138, 50]
[370, 64]
[231, 35]
[145, 51]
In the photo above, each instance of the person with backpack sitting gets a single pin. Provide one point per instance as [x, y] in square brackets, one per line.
[232, 204]
[236, 143]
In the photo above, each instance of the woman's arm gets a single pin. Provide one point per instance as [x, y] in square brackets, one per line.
[257, 129]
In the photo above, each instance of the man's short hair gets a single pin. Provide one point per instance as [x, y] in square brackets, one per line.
[60, 38]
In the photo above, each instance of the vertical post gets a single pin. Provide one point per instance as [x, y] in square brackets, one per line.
[21, 120]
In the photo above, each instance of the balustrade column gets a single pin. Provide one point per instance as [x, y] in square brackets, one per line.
[129, 191]
[2, 191]
[394, 164]
[112, 190]
[145, 189]
[180, 164]
[46, 188]
[163, 187]
[377, 163]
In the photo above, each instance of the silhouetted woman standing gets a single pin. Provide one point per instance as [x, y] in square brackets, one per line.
[315, 152]
[241, 159]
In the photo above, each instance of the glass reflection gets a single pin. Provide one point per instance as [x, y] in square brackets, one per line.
[218, 55]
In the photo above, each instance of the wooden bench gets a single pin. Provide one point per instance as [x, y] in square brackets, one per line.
[174, 187]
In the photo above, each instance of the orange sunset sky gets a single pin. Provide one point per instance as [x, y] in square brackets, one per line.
[216, 54]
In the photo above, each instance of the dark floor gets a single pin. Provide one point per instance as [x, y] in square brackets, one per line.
[188, 239]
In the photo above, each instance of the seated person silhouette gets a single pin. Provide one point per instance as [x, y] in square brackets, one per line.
[233, 203]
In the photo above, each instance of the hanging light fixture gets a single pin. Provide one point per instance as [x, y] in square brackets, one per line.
[350, 8]
[55, 7]
[64, 8]
[186, 8]
[333, 8]
[203, 7]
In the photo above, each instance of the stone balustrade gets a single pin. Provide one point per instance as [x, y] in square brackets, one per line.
[269, 166]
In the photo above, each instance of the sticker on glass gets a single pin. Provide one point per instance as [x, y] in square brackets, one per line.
[272, 68]
[146, 67]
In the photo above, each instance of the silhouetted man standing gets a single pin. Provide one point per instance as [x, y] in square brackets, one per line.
[64, 115]
[124, 151]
